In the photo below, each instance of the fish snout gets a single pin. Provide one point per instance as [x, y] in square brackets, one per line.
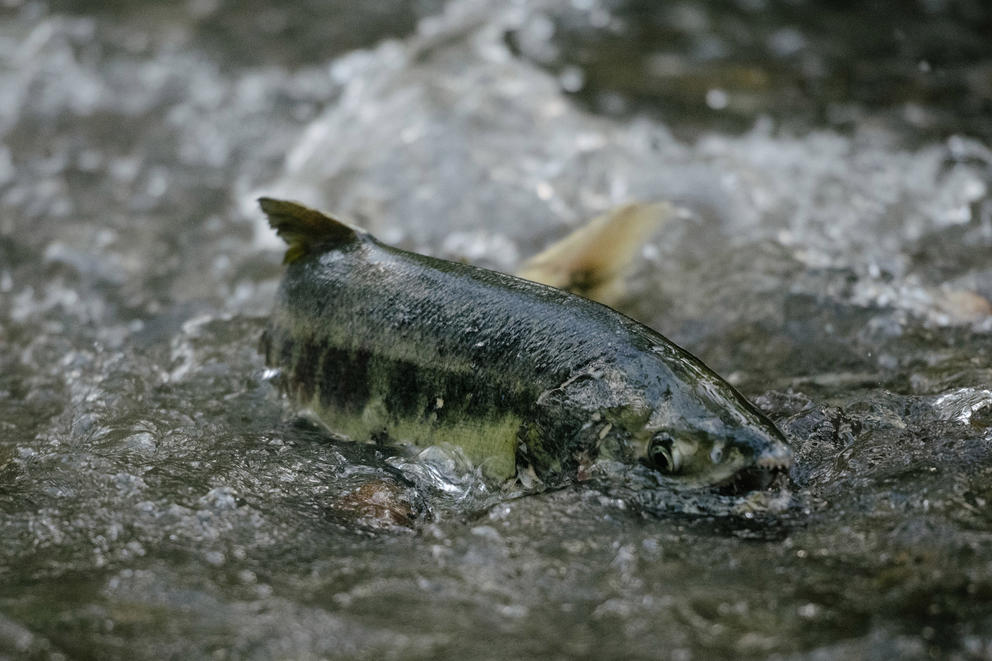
[765, 445]
[771, 459]
[777, 456]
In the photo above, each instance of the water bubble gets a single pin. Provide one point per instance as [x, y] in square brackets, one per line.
[717, 99]
[571, 79]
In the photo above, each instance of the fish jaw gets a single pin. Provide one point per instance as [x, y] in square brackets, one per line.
[770, 457]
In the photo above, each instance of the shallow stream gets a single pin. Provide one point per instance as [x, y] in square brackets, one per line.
[158, 499]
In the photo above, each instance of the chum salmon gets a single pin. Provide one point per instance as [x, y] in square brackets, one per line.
[390, 346]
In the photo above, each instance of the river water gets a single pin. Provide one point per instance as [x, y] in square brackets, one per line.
[158, 499]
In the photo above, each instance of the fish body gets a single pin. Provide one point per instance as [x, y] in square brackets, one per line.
[386, 345]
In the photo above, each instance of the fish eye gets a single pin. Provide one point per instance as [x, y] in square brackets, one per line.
[664, 455]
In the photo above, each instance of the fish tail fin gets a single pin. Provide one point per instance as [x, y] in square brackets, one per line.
[593, 259]
[305, 230]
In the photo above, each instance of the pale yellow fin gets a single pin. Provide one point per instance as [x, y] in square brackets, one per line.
[305, 230]
[593, 259]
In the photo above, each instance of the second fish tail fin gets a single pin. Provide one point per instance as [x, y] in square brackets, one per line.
[592, 260]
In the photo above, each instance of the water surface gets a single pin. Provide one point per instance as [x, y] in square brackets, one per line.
[159, 500]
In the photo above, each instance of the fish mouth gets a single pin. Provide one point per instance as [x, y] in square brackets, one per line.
[759, 476]
[778, 457]
[770, 467]
[753, 478]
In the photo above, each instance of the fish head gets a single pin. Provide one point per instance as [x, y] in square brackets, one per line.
[704, 433]
[743, 458]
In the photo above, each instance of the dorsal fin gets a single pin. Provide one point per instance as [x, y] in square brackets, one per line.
[305, 230]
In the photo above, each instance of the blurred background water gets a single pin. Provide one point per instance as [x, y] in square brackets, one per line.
[159, 500]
